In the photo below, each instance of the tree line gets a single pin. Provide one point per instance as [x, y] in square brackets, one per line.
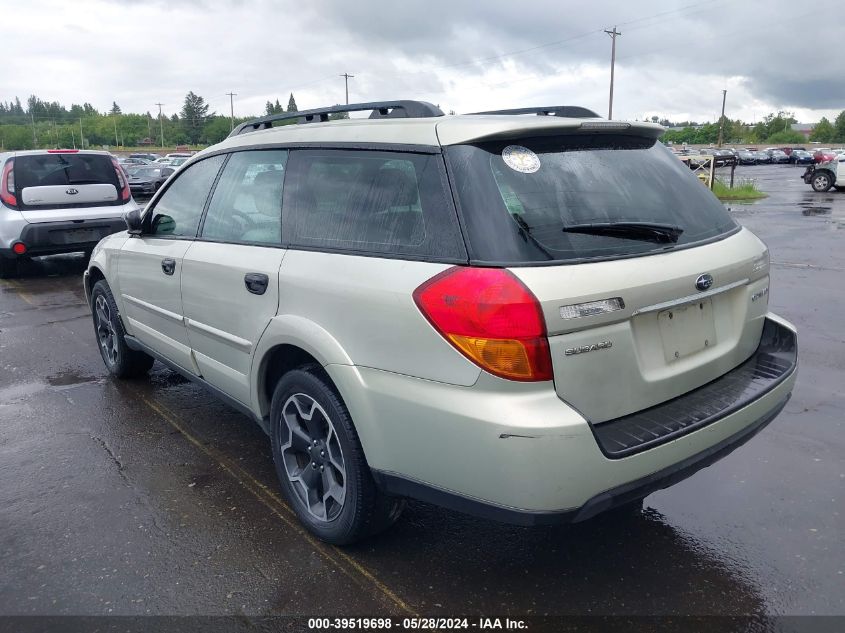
[774, 129]
[42, 124]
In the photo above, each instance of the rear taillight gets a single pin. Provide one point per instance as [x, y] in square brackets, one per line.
[491, 318]
[7, 185]
[125, 194]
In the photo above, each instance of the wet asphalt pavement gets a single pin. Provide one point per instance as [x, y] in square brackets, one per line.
[151, 497]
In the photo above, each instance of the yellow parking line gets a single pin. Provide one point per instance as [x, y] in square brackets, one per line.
[278, 507]
[20, 291]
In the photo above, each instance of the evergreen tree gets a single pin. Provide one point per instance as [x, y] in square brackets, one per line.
[292, 104]
[839, 125]
[194, 115]
[115, 109]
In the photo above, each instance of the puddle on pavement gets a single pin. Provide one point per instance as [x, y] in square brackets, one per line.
[817, 211]
[69, 377]
[165, 377]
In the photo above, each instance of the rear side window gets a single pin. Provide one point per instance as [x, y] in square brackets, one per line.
[247, 201]
[373, 202]
[177, 212]
[518, 198]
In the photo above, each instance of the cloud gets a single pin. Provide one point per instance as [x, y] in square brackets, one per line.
[673, 59]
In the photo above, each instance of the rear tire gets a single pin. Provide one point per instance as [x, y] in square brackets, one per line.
[120, 360]
[320, 462]
[821, 182]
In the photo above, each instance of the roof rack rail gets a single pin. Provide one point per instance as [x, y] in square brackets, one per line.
[571, 112]
[380, 110]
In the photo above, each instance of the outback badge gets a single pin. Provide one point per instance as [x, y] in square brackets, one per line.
[704, 281]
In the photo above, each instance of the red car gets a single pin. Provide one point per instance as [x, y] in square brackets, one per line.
[823, 154]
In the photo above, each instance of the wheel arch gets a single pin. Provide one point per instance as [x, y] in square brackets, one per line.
[290, 342]
[829, 173]
[94, 275]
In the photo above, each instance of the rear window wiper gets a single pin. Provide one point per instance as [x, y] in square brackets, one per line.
[647, 231]
[525, 230]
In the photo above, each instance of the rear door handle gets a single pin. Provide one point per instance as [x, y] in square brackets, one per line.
[256, 283]
[168, 266]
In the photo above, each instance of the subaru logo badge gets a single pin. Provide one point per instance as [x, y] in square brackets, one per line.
[71, 191]
[704, 281]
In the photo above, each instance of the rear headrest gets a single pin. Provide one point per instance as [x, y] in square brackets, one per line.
[393, 187]
[267, 190]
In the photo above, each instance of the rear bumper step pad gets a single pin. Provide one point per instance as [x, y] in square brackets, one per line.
[772, 363]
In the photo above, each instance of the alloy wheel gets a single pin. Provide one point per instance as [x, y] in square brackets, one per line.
[105, 330]
[312, 457]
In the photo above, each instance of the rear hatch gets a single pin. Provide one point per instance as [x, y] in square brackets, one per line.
[646, 284]
[57, 186]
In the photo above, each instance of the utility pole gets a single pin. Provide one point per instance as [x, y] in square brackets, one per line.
[34, 139]
[232, 96]
[347, 77]
[161, 124]
[81, 138]
[116, 140]
[72, 138]
[613, 35]
[722, 118]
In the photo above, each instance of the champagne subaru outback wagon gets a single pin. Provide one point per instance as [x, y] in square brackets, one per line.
[531, 315]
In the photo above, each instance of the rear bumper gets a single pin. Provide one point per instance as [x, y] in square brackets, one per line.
[51, 238]
[144, 189]
[774, 360]
[517, 453]
[607, 500]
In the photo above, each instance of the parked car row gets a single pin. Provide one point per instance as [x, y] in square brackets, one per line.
[767, 156]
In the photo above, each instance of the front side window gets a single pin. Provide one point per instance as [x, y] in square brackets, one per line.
[177, 212]
[379, 202]
[570, 198]
[247, 202]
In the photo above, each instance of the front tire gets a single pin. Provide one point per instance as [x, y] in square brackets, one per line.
[320, 463]
[120, 360]
[821, 182]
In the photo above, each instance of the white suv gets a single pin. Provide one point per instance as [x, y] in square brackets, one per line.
[58, 201]
[531, 315]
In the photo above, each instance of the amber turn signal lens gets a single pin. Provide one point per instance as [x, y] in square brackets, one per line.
[505, 358]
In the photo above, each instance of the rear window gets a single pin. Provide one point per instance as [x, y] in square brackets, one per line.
[46, 170]
[518, 198]
[43, 170]
[371, 202]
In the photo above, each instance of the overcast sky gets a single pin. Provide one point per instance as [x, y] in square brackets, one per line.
[674, 57]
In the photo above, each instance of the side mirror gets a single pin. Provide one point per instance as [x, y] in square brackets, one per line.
[133, 221]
